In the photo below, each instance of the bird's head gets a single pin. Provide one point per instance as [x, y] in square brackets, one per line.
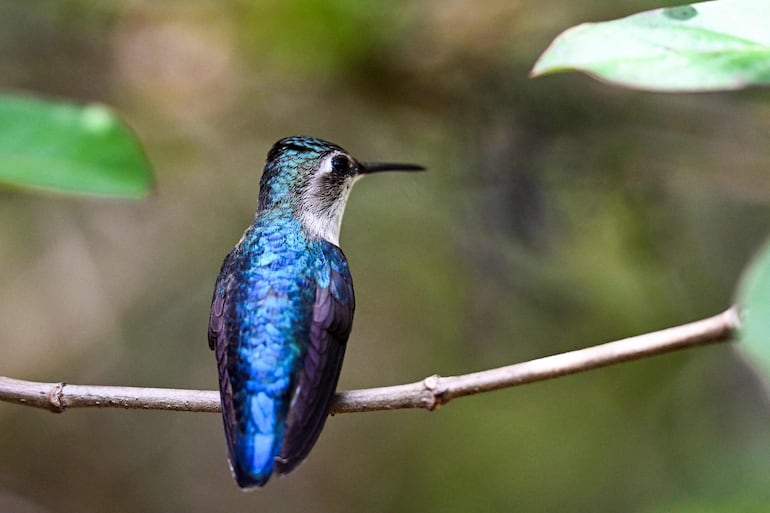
[313, 178]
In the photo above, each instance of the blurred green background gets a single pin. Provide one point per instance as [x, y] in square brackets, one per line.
[557, 213]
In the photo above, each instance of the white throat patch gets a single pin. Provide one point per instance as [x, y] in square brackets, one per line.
[318, 218]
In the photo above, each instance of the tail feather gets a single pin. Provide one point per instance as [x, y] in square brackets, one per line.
[256, 440]
[254, 460]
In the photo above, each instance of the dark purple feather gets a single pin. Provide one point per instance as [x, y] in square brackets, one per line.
[219, 343]
[329, 331]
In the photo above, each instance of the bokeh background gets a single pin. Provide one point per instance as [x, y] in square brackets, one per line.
[557, 213]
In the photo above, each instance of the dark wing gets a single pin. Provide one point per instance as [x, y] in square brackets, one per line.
[317, 381]
[218, 342]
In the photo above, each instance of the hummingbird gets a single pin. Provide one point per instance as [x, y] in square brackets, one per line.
[282, 308]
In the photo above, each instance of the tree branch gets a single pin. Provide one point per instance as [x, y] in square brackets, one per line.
[430, 393]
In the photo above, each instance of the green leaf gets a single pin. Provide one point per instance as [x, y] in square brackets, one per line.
[754, 300]
[70, 148]
[708, 46]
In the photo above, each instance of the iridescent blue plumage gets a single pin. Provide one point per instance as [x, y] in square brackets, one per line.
[283, 309]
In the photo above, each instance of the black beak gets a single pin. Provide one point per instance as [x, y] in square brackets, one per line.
[376, 167]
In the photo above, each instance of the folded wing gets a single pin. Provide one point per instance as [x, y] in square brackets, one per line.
[317, 381]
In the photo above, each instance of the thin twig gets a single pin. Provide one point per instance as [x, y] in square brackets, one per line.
[430, 393]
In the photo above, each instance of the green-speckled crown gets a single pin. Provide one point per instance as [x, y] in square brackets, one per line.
[289, 164]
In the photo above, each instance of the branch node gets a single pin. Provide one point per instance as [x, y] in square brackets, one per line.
[435, 397]
[56, 401]
[431, 382]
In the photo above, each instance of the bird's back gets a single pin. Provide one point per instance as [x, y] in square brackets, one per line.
[262, 327]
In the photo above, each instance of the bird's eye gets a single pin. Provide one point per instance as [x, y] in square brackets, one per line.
[340, 165]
